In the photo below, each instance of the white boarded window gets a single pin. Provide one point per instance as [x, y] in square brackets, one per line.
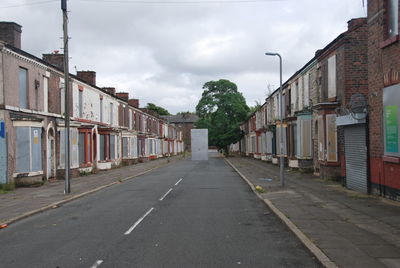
[23, 88]
[321, 138]
[45, 94]
[111, 114]
[304, 146]
[306, 90]
[332, 77]
[301, 96]
[278, 140]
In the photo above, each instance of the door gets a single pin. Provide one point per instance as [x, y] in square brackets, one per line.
[356, 157]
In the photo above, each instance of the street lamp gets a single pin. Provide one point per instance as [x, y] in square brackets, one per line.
[281, 158]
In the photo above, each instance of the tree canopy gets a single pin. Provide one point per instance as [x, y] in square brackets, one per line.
[221, 109]
[159, 110]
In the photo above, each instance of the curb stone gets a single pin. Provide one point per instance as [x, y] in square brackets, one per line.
[64, 201]
[312, 247]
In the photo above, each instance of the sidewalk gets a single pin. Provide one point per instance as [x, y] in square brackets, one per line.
[24, 202]
[352, 229]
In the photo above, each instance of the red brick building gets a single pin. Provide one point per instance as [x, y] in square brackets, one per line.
[384, 97]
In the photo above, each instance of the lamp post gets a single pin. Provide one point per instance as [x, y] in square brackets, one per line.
[281, 158]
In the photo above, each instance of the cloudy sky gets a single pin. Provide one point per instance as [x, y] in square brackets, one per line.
[163, 51]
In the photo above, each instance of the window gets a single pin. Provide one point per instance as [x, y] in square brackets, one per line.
[101, 109]
[23, 88]
[62, 96]
[331, 138]
[80, 104]
[45, 94]
[111, 113]
[103, 146]
[391, 127]
[332, 77]
[112, 146]
[29, 149]
[393, 18]
[307, 90]
[125, 147]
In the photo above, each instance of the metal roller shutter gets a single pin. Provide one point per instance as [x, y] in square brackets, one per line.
[356, 158]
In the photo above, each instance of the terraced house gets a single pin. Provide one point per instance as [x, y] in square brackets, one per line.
[107, 128]
[319, 130]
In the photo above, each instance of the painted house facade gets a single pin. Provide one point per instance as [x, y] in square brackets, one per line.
[107, 129]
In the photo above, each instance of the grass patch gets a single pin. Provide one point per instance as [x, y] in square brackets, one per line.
[6, 188]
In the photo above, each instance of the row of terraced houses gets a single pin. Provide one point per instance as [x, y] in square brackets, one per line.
[341, 109]
[107, 129]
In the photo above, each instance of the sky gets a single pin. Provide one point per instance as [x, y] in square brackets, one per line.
[164, 51]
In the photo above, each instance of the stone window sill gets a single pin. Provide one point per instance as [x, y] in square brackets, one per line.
[389, 41]
[391, 159]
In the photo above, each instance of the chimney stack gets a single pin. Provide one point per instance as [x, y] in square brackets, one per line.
[87, 76]
[55, 59]
[351, 24]
[123, 95]
[10, 32]
[134, 103]
[110, 90]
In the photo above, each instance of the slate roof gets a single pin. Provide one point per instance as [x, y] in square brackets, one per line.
[181, 118]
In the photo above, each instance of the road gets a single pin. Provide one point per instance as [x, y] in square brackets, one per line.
[190, 214]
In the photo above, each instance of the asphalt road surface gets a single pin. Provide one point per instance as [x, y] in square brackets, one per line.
[189, 214]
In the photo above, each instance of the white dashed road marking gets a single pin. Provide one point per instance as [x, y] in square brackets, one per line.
[138, 222]
[178, 182]
[97, 264]
[165, 195]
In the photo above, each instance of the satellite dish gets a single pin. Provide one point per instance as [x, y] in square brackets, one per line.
[358, 106]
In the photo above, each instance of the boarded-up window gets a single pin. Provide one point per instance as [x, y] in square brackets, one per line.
[293, 97]
[134, 152]
[269, 137]
[101, 110]
[81, 148]
[301, 95]
[23, 88]
[321, 138]
[112, 146]
[278, 140]
[111, 113]
[304, 146]
[125, 147]
[29, 149]
[332, 77]
[306, 90]
[80, 104]
[36, 149]
[102, 147]
[23, 149]
[331, 138]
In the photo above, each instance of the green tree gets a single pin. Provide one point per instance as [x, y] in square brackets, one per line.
[221, 109]
[157, 109]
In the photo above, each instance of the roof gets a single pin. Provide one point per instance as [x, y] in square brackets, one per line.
[181, 118]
